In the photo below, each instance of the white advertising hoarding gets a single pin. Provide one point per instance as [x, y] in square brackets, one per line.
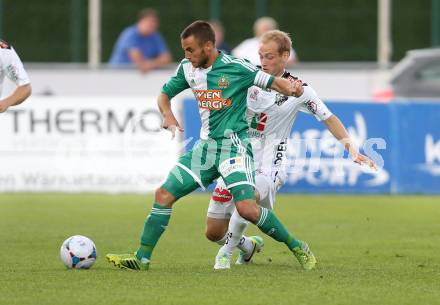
[85, 144]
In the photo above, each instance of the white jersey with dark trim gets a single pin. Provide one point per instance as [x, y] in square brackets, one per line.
[11, 66]
[271, 116]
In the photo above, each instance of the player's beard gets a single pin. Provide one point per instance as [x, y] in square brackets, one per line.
[204, 60]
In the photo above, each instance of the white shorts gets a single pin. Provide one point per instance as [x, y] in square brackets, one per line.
[221, 205]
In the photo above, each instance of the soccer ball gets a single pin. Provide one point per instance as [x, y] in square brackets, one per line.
[78, 252]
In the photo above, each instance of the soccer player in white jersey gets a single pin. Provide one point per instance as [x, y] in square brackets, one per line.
[219, 82]
[12, 68]
[271, 116]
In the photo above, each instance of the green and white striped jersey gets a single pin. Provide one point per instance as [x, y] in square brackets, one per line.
[220, 91]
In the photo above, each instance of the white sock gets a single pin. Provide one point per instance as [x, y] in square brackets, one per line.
[237, 226]
[245, 244]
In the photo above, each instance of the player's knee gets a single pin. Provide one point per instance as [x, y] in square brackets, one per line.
[248, 209]
[214, 235]
[216, 229]
[164, 198]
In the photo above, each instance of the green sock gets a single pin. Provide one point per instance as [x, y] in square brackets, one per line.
[272, 226]
[155, 225]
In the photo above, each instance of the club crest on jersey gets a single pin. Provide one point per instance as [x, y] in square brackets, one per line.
[311, 105]
[223, 82]
[211, 99]
[280, 99]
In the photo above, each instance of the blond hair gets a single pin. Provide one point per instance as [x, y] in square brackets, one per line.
[282, 39]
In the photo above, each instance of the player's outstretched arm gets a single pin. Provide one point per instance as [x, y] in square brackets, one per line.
[335, 126]
[287, 87]
[169, 120]
[20, 94]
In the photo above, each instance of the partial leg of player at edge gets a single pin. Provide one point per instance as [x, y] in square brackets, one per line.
[226, 227]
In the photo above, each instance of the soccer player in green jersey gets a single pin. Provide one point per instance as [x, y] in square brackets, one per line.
[219, 83]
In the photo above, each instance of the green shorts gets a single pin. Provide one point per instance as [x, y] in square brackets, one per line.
[231, 158]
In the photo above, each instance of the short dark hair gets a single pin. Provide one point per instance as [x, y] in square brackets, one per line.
[147, 12]
[201, 30]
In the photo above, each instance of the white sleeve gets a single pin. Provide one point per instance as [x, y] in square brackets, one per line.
[13, 68]
[312, 104]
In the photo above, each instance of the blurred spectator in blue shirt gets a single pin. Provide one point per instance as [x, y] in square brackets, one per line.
[141, 44]
[220, 42]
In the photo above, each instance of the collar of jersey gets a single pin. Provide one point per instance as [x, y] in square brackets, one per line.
[219, 57]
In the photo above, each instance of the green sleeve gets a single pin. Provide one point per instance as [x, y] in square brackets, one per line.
[251, 75]
[175, 84]
[270, 81]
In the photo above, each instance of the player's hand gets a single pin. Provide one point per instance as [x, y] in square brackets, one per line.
[362, 159]
[297, 87]
[173, 129]
[171, 124]
[3, 106]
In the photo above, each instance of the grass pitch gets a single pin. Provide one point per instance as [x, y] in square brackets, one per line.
[370, 250]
